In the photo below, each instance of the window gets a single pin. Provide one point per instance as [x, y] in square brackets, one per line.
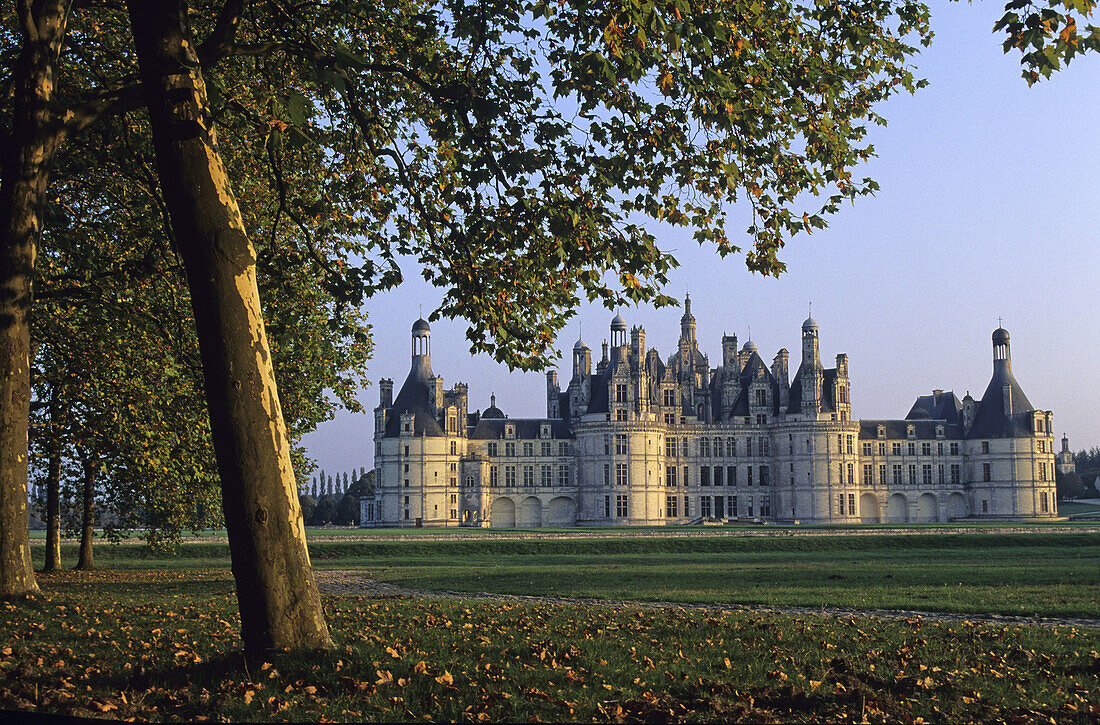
[670, 447]
[670, 419]
[840, 504]
[763, 446]
[492, 450]
[704, 475]
[895, 449]
[528, 448]
[761, 398]
[851, 474]
[454, 448]
[669, 397]
[454, 513]
[939, 448]
[620, 474]
[912, 448]
[839, 443]
[748, 475]
[1042, 471]
[687, 479]
[670, 476]
[731, 505]
[620, 415]
[684, 448]
[926, 474]
[620, 393]
[528, 476]
[848, 448]
[987, 473]
[985, 446]
[563, 449]
[731, 475]
[492, 475]
[882, 473]
[942, 475]
[510, 449]
[718, 470]
[719, 509]
[687, 506]
[731, 447]
[607, 507]
[607, 445]
[620, 443]
[1043, 506]
[748, 505]
[954, 449]
[912, 474]
[761, 419]
[704, 507]
[882, 449]
[867, 448]
[717, 447]
[544, 432]
[509, 431]
[547, 476]
[406, 467]
[704, 447]
[851, 504]
[620, 506]
[897, 474]
[985, 506]
[926, 449]
[607, 474]
[765, 475]
[670, 507]
[868, 474]
[546, 448]
[510, 476]
[563, 475]
[956, 474]
[453, 482]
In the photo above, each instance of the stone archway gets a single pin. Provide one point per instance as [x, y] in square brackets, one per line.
[956, 507]
[868, 509]
[530, 512]
[563, 511]
[927, 508]
[897, 509]
[503, 514]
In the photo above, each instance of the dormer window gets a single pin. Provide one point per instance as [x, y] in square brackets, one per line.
[509, 431]
[544, 431]
[882, 431]
[939, 431]
[910, 432]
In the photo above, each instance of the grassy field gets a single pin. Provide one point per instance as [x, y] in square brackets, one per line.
[1055, 574]
[163, 645]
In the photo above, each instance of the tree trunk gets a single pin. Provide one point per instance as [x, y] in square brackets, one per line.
[276, 591]
[53, 498]
[27, 152]
[87, 523]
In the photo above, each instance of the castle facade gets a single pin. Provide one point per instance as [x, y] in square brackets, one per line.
[641, 440]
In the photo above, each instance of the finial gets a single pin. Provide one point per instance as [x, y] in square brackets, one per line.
[1000, 323]
[811, 310]
[493, 400]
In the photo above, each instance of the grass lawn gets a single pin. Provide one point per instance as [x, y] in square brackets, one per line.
[163, 645]
[1070, 508]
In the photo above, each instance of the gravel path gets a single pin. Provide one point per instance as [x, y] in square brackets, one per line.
[358, 583]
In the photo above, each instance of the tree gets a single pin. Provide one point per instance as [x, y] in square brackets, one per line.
[347, 511]
[1046, 34]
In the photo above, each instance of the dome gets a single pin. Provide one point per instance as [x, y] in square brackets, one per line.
[1000, 336]
[493, 411]
[809, 324]
[618, 323]
[421, 325]
[579, 345]
[749, 346]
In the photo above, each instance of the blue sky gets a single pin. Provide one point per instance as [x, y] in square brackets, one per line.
[989, 207]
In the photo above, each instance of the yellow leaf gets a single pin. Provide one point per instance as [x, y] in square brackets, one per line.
[445, 678]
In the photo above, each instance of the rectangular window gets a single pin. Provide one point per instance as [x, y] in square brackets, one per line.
[670, 447]
[621, 415]
[1043, 506]
[987, 473]
[528, 448]
[620, 443]
[985, 446]
[1042, 471]
[563, 449]
[687, 478]
[684, 448]
[765, 475]
[546, 448]
[704, 447]
[897, 474]
[895, 449]
[670, 507]
[766, 505]
[851, 474]
[839, 443]
[882, 473]
[985, 506]
[956, 473]
[851, 504]
[669, 397]
[670, 476]
[719, 509]
[731, 447]
[607, 474]
[848, 447]
[704, 507]
[493, 476]
[867, 448]
[563, 475]
[670, 419]
[731, 475]
[943, 474]
[912, 474]
[528, 476]
[912, 448]
[731, 502]
[687, 507]
[939, 448]
[954, 449]
[926, 474]
[748, 505]
[620, 506]
[926, 449]
[509, 475]
[748, 475]
[492, 449]
[607, 445]
[718, 478]
[510, 449]
[882, 449]
[704, 475]
[840, 504]
[547, 476]
[868, 474]
[620, 393]
[620, 474]
[607, 507]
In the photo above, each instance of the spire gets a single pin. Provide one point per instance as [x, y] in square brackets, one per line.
[687, 322]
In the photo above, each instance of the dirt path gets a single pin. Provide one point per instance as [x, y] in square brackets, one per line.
[358, 583]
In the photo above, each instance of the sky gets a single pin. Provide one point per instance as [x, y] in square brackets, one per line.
[989, 209]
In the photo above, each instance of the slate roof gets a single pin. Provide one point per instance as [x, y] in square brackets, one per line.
[898, 429]
[828, 395]
[948, 408]
[526, 428]
[991, 420]
[413, 398]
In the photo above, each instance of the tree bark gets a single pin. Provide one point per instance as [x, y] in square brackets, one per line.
[27, 152]
[87, 522]
[53, 495]
[276, 590]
